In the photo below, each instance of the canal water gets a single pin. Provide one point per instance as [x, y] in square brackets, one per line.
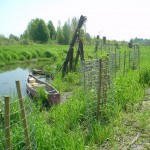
[12, 73]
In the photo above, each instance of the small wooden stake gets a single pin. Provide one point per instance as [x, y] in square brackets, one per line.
[138, 55]
[7, 123]
[119, 60]
[124, 66]
[115, 63]
[23, 115]
[129, 58]
[99, 89]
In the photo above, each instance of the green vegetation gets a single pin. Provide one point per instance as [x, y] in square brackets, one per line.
[37, 31]
[16, 54]
[67, 125]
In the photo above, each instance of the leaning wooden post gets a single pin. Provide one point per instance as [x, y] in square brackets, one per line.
[28, 144]
[7, 123]
[99, 88]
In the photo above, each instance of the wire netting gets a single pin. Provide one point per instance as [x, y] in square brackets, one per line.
[17, 131]
[98, 77]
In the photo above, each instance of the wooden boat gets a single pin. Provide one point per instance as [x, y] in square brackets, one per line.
[38, 71]
[32, 84]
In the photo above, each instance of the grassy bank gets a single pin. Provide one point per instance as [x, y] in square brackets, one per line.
[16, 54]
[68, 125]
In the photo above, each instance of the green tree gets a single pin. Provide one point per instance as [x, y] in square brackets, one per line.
[74, 24]
[25, 35]
[38, 31]
[88, 38]
[51, 30]
[13, 37]
[60, 36]
[66, 32]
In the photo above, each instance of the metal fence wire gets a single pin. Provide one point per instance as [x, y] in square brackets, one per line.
[98, 76]
[14, 134]
[97, 82]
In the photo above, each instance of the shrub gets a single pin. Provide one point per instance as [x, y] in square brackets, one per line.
[34, 55]
[144, 76]
[14, 56]
[27, 55]
[48, 54]
[2, 64]
[7, 57]
[22, 58]
[39, 54]
[2, 57]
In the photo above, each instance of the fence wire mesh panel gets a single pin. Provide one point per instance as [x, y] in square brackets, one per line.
[97, 84]
[17, 138]
[134, 57]
[98, 79]
[126, 59]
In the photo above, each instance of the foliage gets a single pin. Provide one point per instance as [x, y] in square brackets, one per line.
[26, 54]
[66, 33]
[141, 41]
[48, 54]
[144, 74]
[60, 36]
[38, 31]
[14, 37]
[51, 30]
[67, 125]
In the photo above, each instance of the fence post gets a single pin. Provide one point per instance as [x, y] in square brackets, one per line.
[124, 66]
[138, 55]
[115, 62]
[7, 122]
[119, 61]
[129, 57]
[99, 89]
[106, 78]
[23, 115]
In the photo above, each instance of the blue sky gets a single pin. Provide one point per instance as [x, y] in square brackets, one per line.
[115, 19]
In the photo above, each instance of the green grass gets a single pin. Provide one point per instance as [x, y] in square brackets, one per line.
[70, 125]
[15, 54]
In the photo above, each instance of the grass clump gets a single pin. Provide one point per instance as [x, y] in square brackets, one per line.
[144, 76]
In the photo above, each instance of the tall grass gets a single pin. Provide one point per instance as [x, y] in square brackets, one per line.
[68, 125]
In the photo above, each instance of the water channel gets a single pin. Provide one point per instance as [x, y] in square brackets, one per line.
[12, 73]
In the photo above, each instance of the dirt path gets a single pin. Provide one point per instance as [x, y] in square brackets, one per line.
[137, 124]
[143, 140]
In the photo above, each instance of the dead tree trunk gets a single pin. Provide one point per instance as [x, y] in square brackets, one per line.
[69, 57]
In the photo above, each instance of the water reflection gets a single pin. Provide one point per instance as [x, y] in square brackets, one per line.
[12, 73]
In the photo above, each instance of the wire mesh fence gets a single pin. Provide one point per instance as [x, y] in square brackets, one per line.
[16, 123]
[98, 80]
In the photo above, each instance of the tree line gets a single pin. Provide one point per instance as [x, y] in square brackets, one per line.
[38, 31]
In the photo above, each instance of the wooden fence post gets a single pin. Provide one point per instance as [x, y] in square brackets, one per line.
[138, 55]
[129, 58]
[7, 123]
[28, 144]
[99, 89]
[124, 66]
[119, 61]
[115, 62]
